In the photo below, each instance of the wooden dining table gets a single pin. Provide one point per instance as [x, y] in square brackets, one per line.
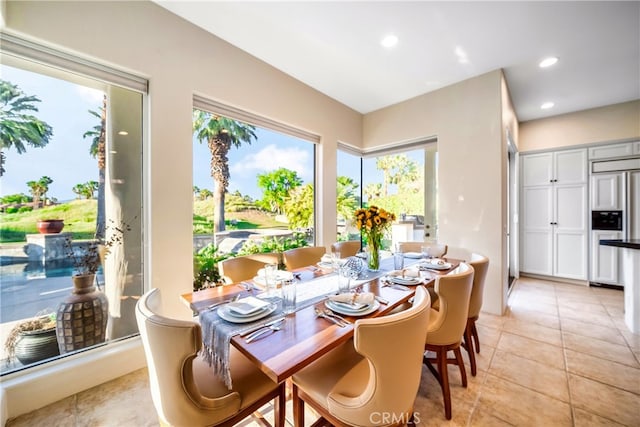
[304, 337]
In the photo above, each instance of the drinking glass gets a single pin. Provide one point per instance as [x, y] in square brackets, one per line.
[426, 251]
[270, 279]
[344, 277]
[398, 260]
[335, 260]
[289, 295]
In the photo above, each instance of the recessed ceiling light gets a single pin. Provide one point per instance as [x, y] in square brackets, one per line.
[389, 41]
[548, 62]
[547, 105]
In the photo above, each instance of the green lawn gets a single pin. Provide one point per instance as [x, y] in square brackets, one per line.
[79, 218]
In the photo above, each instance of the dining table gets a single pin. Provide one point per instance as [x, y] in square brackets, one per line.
[303, 336]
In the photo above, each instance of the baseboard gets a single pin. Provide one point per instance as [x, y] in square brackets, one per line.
[39, 386]
[607, 286]
[555, 279]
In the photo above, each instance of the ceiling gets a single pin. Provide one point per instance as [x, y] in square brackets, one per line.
[335, 48]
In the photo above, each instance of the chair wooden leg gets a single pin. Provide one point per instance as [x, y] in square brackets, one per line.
[463, 371]
[476, 339]
[298, 407]
[468, 346]
[444, 381]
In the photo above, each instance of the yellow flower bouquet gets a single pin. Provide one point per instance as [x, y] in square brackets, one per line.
[372, 223]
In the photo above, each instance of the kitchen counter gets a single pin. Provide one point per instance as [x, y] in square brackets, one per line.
[630, 243]
[630, 249]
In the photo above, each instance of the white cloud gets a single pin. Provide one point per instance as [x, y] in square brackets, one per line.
[271, 157]
[91, 95]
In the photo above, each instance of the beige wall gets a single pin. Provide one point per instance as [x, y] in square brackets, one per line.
[467, 120]
[611, 123]
[179, 60]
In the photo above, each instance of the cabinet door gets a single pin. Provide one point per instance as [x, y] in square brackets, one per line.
[570, 167]
[606, 192]
[536, 230]
[570, 245]
[604, 259]
[612, 150]
[537, 169]
[636, 147]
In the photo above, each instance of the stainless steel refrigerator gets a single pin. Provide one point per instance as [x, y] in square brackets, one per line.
[615, 214]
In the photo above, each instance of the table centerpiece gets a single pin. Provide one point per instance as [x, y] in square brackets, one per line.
[372, 223]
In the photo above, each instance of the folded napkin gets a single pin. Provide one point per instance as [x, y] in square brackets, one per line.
[326, 258]
[408, 272]
[353, 298]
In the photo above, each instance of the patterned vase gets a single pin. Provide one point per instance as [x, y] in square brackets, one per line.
[82, 317]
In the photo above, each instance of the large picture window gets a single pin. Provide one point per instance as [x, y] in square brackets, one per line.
[70, 207]
[253, 191]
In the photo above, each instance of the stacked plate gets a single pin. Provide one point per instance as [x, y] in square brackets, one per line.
[414, 255]
[435, 264]
[246, 310]
[406, 280]
[356, 309]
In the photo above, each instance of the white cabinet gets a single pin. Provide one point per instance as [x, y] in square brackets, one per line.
[605, 263]
[606, 192]
[612, 150]
[554, 214]
[636, 147]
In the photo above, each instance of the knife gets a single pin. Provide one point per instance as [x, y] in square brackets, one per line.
[381, 300]
[262, 325]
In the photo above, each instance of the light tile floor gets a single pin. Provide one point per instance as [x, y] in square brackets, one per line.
[560, 356]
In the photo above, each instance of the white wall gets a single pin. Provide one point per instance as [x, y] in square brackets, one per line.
[467, 118]
[179, 60]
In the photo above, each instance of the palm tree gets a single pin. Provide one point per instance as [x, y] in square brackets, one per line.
[17, 127]
[97, 150]
[221, 134]
[36, 189]
[346, 197]
[44, 184]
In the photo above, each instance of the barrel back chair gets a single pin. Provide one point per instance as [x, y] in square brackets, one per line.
[240, 268]
[378, 372]
[302, 257]
[184, 389]
[347, 248]
[480, 266]
[436, 250]
[447, 326]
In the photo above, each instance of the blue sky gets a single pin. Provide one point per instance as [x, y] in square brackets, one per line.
[65, 107]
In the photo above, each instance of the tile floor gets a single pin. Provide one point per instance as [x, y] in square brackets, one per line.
[560, 356]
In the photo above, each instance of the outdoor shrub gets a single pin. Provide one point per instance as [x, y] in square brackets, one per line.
[11, 210]
[25, 209]
[206, 266]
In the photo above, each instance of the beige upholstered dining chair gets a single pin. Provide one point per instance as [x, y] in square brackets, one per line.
[435, 249]
[184, 390]
[447, 325]
[480, 266]
[240, 268]
[347, 248]
[376, 373]
[302, 257]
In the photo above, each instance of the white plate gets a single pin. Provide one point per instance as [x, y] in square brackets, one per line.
[325, 265]
[280, 276]
[343, 310]
[229, 316]
[405, 280]
[247, 306]
[414, 255]
[444, 266]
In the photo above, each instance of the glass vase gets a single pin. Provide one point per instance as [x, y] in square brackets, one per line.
[373, 252]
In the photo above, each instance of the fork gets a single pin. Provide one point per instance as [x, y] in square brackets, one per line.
[215, 304]
[261, 332]
[247, 286]
[322, 314]
[337, 316]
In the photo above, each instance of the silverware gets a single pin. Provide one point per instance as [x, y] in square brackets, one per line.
[247, 286]
[337, 316]
[264, 325]
[261, 332]
[396, 286]
[381, 300]
[321, 313]
[215, 304]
